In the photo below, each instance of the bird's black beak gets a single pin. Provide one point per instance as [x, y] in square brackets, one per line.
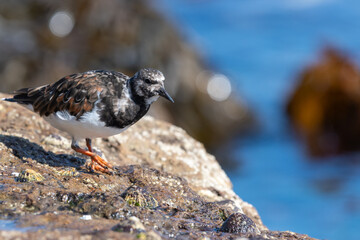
[163, 93]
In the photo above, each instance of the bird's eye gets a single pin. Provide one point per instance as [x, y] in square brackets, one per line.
[147, 81]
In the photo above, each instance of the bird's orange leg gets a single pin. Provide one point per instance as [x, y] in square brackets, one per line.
[88, 144]
[96, 157]
[97, 163]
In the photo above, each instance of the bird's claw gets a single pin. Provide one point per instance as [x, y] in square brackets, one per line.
[99, 164]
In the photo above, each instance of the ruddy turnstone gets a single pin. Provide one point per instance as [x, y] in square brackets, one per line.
[94, 104]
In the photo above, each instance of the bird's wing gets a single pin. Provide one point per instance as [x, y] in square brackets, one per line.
[76, 93]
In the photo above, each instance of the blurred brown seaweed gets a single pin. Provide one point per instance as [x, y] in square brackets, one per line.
[325, 106]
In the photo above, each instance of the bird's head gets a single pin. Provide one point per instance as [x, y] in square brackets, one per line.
[148, 85]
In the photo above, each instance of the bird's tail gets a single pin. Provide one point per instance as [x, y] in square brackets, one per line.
[8, 99]
[23, 96]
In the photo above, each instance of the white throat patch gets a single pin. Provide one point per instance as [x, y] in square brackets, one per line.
[151, 100]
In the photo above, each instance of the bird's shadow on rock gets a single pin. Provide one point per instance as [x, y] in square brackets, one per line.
[24, 149]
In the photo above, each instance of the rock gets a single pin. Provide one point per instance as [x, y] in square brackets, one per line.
[132, 224]
[118, 35]
[325, 105]
[163, 179]
[239, 223]
[151, 235]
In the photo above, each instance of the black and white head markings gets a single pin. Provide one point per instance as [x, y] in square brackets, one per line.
[148, 84]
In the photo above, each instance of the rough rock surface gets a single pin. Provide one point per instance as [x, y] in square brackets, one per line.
[164, 186]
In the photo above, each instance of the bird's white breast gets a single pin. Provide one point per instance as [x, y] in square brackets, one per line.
[88, 126]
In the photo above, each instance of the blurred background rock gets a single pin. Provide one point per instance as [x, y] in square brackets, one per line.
[42, 41]
[325, 105]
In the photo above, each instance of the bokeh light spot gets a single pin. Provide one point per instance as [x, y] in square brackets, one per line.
[219, 87]
[61, 23]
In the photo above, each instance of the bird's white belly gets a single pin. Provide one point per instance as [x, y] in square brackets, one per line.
[88, 126]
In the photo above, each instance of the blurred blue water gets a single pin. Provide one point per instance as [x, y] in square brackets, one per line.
[261, 45]
[11, 225]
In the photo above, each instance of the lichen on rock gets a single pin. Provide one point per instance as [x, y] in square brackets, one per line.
[29, 175]
[68, 172]
[137, 196]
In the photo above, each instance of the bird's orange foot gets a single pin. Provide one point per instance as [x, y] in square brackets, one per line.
[99, 164]
[93, 166]
[103, 163]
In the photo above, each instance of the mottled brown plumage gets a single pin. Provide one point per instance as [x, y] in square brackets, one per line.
[75, 93]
